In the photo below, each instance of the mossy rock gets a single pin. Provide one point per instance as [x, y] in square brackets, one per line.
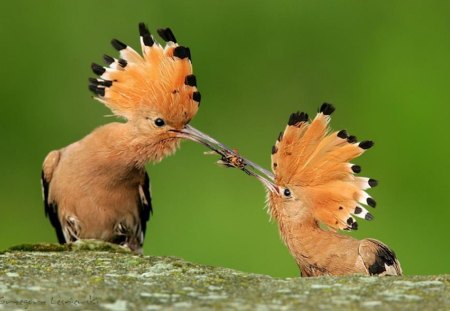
[100, 276]
[81, 245]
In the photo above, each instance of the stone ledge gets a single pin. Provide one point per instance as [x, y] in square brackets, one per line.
[100, 276]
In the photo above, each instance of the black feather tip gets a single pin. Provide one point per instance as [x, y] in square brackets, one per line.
[342, 134]
[96, 82]
[118, 45]
[143, 30]
[352, 139]
[280, 136]
[148, 40]
[123, 63]
[190, 80]
[145, 34]
[274, 149]
[358, 210]
[327, 109]
[108, 59]
[167, 35]
[373, 182]
[197, 97]
[366, 144]
[182, 52]
[97, 69]
[297, 117]
[97, 90]
[371, 202]
[356, 169]
[368, 216]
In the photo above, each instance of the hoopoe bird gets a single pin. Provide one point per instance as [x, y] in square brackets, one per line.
[313, 183]
[97, 187]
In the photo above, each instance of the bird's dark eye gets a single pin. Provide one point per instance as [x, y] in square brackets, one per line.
[287, 192]
[159, 122]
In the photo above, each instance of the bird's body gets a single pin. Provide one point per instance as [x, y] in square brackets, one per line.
[313, 186]
[97, 187]
[323, 252]
[315, 183]
[104, 176]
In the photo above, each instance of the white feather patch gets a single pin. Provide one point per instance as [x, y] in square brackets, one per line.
[363, 182]
[362, 212]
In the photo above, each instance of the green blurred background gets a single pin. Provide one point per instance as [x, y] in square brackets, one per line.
[384, 65]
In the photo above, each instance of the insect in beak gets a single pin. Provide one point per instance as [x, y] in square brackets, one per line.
[229, 156]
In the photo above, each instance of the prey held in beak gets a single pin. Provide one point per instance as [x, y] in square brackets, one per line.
[229, 157]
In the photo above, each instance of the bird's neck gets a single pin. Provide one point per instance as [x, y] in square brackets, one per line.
[308, 242]
[124, 144]
[151, 149]
[299, 234]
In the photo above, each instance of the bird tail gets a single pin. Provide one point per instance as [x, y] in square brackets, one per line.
[160, 78]
[308, 156]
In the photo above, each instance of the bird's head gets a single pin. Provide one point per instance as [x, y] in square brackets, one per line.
[312, 174]
[282, 199]
[156, 92]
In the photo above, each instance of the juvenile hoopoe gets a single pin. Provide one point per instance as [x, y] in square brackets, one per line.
[314, 183]
[97, 187]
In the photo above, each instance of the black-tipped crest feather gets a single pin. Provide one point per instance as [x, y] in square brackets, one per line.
[143, 30]
[297, 117]
[97, 90]
[197, 97]
[373, 182]
[182, 52]
[352, 139]
[342, 134]
[190, 80]
[167, 35]
[145, 34]
[371, 202]
[366, 144]
[97, 69]
[327, 109]
[118, 45]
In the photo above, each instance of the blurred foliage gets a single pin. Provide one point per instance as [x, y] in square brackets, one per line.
[383, 64]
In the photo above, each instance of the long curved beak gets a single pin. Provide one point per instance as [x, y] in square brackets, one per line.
[229, 156]
[270, 185]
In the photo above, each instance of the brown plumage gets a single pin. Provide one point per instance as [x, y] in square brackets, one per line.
[97, 188]
[313, 184]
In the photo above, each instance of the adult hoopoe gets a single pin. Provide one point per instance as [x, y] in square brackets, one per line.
[97, 187]
[314, 183]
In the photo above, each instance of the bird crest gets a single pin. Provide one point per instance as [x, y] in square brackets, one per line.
[158, 82]
[314, 162]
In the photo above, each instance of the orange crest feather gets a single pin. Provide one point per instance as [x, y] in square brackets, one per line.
[315, 164]
[160, 81]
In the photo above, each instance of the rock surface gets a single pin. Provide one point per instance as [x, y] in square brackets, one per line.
[100, 276]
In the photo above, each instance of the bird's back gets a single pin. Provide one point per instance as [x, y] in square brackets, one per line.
[324, 252]
[97, 193]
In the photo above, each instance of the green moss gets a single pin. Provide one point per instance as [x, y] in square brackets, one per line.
[43, 247]
[84, 245]
[115, 277]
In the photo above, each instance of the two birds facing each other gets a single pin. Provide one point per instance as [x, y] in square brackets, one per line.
[97, 187]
